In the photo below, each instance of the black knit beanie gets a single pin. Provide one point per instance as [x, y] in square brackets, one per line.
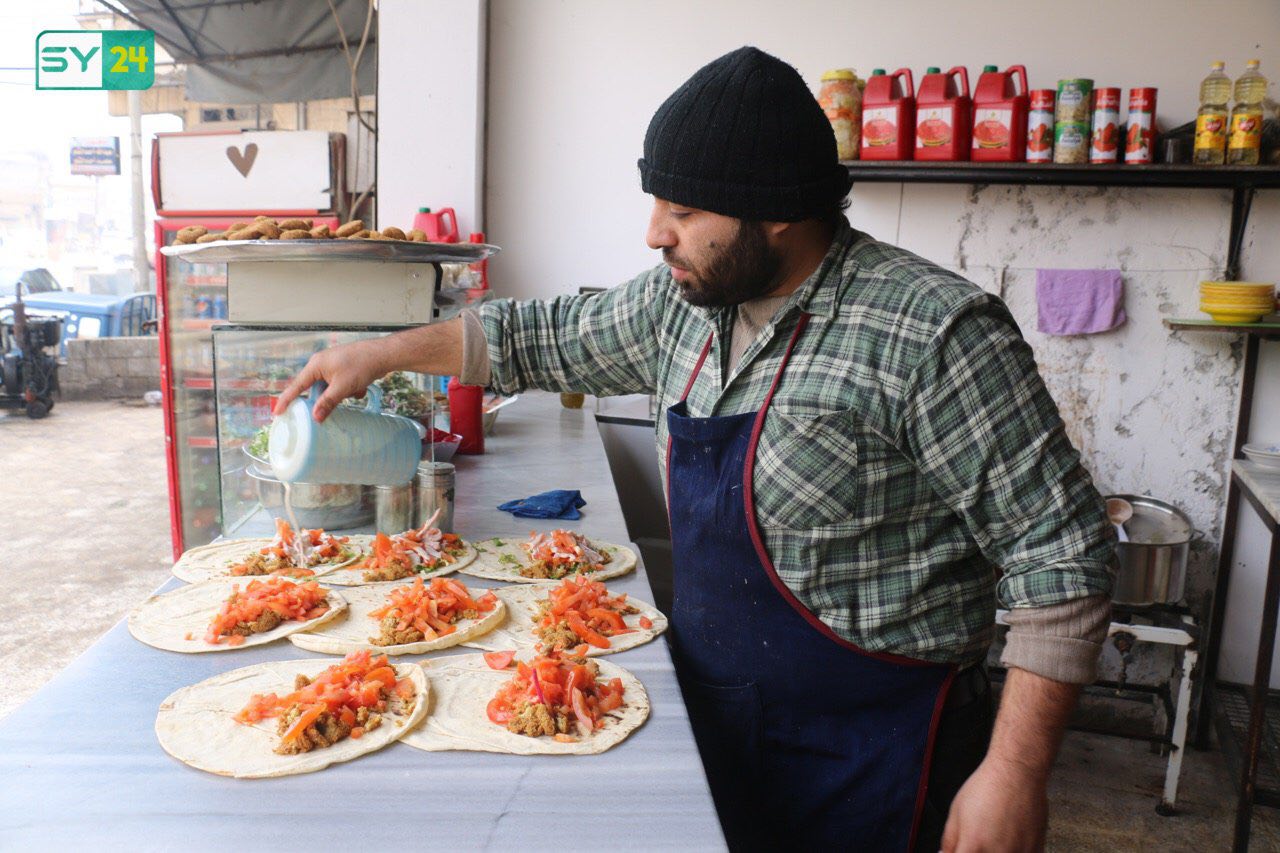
[744, 137]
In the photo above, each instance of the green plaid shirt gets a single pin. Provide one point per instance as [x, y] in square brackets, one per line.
[913, 470]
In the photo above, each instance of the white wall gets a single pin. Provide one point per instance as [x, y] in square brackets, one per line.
[431, 111]
[572, 85]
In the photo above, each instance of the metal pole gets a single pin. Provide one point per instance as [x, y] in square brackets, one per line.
[1258, 699]
[141, 271]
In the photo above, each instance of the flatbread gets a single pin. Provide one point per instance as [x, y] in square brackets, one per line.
[488, 563]
[461, 689]
[213, 561]
[196, 724]
[353, 576]
[516, 631]
[165, 620]
[351, 631]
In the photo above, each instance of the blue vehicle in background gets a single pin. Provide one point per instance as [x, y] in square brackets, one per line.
[83, 315]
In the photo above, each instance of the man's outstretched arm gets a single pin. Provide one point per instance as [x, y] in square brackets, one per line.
[349, 369]
[1004, 806]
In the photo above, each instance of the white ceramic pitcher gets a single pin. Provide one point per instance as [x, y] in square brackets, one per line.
[364, 446]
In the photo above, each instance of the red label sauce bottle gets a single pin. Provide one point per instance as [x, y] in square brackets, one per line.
[943, 115]
[1000, 115]
[888, 116]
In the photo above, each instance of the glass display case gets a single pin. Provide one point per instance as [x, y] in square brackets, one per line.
[192, 298]
[251, 366]
[285, 300]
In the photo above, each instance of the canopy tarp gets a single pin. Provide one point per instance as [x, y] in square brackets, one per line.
[261, 51]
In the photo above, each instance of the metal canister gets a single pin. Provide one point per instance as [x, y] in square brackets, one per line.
[1040, 127]
[435, 488]
[1071, 142]
[1104, 143]
[393, 508]
[1140, 134]
[1074, 100]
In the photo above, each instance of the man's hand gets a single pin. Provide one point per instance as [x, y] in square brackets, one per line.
[1004, 805]
[350, 369]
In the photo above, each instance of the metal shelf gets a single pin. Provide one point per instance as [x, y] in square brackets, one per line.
[1232, 718]
[1241, 180]
[1052, 174]
[1195, 324]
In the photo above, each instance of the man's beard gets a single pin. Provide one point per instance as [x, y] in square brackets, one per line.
[743, 270]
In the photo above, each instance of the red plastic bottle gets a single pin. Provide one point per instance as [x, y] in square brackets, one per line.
[465, 415]
[1000, 115]
[888, 116]
[944, 115]
[434, 225]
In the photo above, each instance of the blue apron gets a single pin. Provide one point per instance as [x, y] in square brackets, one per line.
[808, 740]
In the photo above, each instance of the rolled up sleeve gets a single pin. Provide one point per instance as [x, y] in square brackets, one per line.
[987, 436]
[600, 343]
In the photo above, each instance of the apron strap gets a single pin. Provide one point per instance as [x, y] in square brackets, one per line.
[697, 368]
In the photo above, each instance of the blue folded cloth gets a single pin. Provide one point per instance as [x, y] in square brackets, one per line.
[557, 503]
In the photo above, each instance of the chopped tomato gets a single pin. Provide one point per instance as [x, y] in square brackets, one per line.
[432, 608]
[290, 601]
[565, 686]
[498, 711]
[499, 660]
[646, 622]
[299, 726]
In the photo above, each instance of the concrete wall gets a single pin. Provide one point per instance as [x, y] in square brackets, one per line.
[109, 368]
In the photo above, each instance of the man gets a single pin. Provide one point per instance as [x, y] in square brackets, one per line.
[861, 460]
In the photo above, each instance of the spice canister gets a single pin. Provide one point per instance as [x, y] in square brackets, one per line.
[1104, 142]
[1074, 101]
[1071, 142]
[1040, 126]
[393, 508]
[1140, 135]
[435, 491]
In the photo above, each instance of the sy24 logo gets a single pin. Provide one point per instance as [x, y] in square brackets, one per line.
[86, 59]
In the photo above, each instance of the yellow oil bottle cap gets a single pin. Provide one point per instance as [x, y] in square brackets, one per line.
[839, 74]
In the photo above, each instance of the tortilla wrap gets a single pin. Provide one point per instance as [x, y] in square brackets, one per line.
[165, 620]
[196, 724]
[351, 575]
[489, 563]
[351, 631]
[516, 631]
[461, 687]
[215, 560]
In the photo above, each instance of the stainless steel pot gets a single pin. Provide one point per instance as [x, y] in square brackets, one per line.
[332, 506]
[1152, 565]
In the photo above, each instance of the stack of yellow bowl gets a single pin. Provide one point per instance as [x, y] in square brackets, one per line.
[1237, 301]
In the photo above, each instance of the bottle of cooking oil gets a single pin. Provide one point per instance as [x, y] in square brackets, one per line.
[1211, 120]
[1246, 117]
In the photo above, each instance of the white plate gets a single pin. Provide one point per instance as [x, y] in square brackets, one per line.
[1265, 457]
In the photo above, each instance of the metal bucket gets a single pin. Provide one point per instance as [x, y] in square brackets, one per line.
[1152, 565]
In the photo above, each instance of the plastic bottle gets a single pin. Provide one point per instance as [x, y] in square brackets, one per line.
[1245, 137]
[465, 415]
[944, 115]
[1000, 115]
[1211, 119]
[888, 116]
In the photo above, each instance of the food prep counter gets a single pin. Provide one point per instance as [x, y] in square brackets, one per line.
[81, 766]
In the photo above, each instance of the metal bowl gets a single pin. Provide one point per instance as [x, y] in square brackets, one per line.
[332, 506]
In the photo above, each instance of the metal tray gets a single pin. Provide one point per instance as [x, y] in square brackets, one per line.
[230, 251]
